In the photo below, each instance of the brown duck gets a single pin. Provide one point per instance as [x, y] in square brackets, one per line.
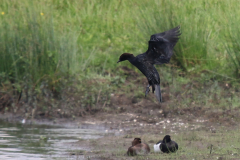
[138, 148]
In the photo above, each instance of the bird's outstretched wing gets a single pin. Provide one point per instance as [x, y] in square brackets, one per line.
[160, 48]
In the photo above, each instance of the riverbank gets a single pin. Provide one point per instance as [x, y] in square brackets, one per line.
[199, 119]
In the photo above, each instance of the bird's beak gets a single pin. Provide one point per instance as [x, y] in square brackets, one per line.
[118, 61]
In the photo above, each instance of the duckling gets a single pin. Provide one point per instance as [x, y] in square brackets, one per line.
[166, 145]
[138, 147]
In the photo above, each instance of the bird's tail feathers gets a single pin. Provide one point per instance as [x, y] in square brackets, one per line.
[158, 93]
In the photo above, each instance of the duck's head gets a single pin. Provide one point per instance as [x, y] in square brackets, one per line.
[125, 56]
[136, 141]
[167, 139]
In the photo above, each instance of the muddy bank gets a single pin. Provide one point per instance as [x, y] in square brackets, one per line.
[195, 114]
[190, 126]
[195, 136]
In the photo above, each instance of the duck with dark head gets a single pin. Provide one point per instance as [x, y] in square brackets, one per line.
[166, 145]
[138, 148]
[160, 50]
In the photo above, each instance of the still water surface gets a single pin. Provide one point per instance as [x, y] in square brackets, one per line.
[36, 142]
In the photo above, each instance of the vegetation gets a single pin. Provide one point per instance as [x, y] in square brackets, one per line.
[200, 144]
[58, 58]
[45, 44]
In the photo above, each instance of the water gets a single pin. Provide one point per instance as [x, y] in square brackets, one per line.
[36, 142]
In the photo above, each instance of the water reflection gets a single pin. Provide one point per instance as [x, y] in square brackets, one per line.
[36, 142]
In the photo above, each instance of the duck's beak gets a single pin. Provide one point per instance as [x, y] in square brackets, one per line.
[118, 61]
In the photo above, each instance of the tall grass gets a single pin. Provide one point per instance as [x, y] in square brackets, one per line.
[203, 28]
[29, 45]
[44, 38]
[232, 43]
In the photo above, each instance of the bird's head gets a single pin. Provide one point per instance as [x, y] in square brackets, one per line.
[136, 141]
[167, 139]
[125, 56]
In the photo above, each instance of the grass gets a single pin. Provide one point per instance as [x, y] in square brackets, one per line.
[201, 144]
[86, 36]
[59, 57]
[45, 43]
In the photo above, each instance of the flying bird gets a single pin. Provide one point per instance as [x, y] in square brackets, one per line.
[160, 50]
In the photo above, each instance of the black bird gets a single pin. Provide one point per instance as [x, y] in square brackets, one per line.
[160, 50]
[166, 145]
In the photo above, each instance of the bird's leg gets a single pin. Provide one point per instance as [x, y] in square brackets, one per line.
[153, 88]
[147, 90]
